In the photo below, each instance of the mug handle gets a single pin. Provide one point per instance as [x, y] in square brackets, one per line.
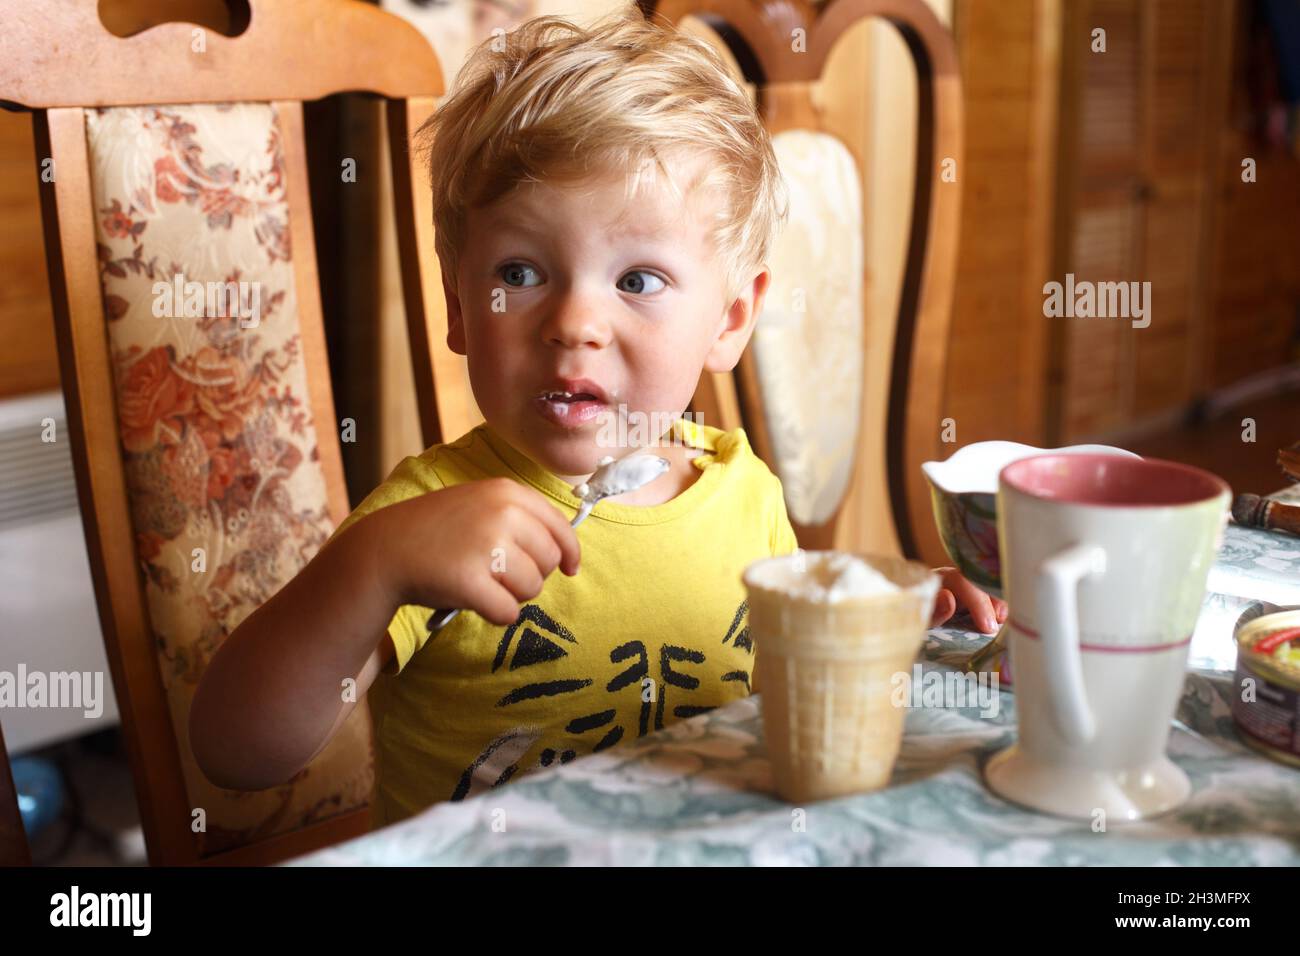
[1058, 615]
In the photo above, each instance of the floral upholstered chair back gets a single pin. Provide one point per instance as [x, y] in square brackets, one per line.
[227, 493]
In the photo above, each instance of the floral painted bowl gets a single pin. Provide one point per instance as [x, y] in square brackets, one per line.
[963, 493]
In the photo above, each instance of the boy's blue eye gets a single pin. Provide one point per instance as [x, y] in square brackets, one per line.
[638, 281]
[638, 286]
[513, 271]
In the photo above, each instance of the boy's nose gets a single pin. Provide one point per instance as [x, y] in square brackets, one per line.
[576, 319]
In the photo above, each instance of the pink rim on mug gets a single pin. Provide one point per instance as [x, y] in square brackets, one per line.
[1116, 482]
[1112, 481]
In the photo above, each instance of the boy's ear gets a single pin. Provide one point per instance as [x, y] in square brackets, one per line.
[455, 320]
[738, 324]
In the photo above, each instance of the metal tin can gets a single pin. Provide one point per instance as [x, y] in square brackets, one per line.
[1266, 704]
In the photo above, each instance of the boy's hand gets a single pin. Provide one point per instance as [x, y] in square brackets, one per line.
[483, 546]
[957, 592]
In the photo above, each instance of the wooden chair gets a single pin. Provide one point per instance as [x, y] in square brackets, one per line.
[800, 390]
[205, 446]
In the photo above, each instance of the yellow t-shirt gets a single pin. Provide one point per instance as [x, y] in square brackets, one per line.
[652, 629]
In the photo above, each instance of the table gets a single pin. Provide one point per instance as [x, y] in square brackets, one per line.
[700, 792]
[1251, 565]
[1259, 564]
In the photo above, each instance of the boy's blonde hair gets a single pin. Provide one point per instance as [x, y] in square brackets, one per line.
[551, 100]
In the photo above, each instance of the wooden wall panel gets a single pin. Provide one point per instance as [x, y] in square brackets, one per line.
[1176, 136]
[997, 360]
[1109, 107]
[1134, 206]
[1255, 308]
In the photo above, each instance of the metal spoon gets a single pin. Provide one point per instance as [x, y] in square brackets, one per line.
[986, 653]
[613, 476]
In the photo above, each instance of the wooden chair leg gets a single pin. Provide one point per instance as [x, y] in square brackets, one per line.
[14, 850]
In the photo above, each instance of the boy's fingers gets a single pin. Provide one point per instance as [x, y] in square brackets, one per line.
[983, 616]
[944, 606]
[977, 602]
[557, 524]
[497, 594]
[520, 576]
[497, 604]
[534, 539]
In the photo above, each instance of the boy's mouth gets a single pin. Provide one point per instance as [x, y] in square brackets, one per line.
[571, 403]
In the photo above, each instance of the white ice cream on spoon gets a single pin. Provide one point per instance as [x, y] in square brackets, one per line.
[618, 476]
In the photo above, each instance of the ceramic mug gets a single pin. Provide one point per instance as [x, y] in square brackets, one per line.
[1104, 561]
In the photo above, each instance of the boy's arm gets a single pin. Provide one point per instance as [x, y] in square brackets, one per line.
[274, 694]
[379, 662]
[284, 666]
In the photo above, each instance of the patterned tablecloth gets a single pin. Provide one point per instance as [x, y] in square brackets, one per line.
[1264, 565]
[700, 791]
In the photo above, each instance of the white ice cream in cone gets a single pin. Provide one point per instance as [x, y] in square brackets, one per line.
[831, 630]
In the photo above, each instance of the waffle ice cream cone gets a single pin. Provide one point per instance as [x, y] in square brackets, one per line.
[828, 653]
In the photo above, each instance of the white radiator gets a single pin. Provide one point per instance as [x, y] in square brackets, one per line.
[48, 621]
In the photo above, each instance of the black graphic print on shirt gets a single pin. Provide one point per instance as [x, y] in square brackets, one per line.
[535, 638]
